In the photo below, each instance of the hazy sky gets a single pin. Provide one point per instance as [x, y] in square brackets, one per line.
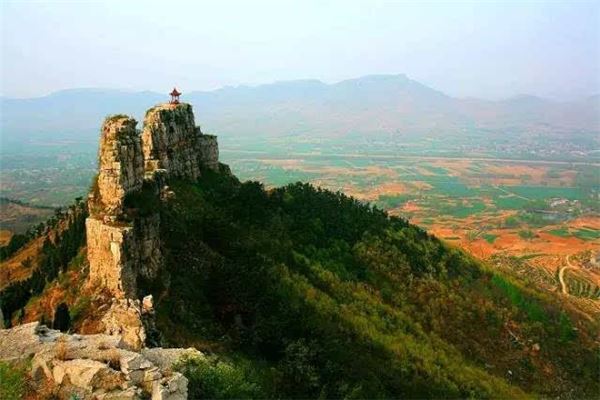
[482, 49]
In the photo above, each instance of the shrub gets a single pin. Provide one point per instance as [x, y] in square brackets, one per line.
[79, 308]
[62, 319]
[215, 379]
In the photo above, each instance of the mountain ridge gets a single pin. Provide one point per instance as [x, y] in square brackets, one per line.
[316, 82]
[369, 105]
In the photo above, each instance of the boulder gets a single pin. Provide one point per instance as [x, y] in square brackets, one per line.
[95, 366]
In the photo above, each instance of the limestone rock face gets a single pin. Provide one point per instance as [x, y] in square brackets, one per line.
[124, 318]
[94, 366]
[121, 162]
[120, 253]
[123, 230]
[111, 254]
[170, 140]
[209, 151]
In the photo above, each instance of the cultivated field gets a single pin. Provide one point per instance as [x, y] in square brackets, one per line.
[519, 214]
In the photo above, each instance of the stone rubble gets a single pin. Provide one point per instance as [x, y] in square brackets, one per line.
[95, 366]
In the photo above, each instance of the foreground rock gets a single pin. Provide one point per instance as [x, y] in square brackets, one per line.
[94, 366]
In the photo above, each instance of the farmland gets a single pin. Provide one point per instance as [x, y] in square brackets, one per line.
[528, 212]
[533, 211]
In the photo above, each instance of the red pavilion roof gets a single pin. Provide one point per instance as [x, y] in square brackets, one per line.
[174, 92]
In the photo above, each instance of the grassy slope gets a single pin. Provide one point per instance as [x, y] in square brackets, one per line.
[325, 296]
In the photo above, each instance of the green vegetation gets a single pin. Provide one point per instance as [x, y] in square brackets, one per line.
[13, 382]
[489, 237]
[545, 192]
[114, 117]
[562, 232]
[530, 306]
[581, 287]
[309, 293]
[57, 253]
[510, 202]
[212, 378]
[587, 234]
[388, 202]
[511, 222]
[143, 202]
[527, 234]
[461, 210]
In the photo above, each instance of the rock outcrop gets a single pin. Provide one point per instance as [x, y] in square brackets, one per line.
[172, 141]
[119, 253]
[121, 163]
[123, 249]
[123, 243]
[94, 366]
[209, 151]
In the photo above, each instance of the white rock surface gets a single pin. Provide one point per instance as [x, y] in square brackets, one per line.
[95, 366]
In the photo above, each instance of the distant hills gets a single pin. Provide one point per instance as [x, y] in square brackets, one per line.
[370, 105]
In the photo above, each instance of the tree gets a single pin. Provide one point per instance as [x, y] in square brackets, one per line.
[62, 319]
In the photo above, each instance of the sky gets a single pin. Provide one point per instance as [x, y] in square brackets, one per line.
[486, 49]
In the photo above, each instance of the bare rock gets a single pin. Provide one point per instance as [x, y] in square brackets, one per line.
[121, 162]
[173, 387]
[147, 305]
[167, 358]
[124, 318]
[170, 141]
[86, 373]
[95, 366]
[208, 151]
[121, 253]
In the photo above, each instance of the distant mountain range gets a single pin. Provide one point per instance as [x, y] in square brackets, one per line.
[370, 105]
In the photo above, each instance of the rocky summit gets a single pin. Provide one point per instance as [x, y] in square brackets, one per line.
[123, 247]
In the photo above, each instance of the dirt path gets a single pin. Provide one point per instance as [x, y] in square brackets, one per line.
[510, 193]
[561, 275]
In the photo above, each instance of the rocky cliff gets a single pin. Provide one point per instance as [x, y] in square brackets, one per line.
[123, 242]
[172, 141]
[121, 163]
[122, 247]
[124, 250]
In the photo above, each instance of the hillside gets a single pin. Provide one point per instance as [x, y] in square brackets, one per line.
[300, 292]
[370, 105]
[17, 216]
[293, 292]
[344, 301]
